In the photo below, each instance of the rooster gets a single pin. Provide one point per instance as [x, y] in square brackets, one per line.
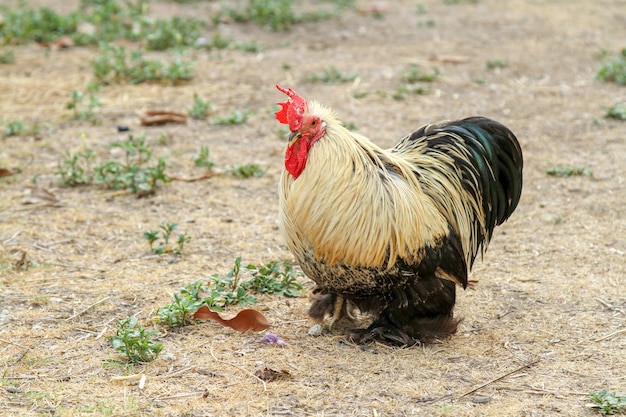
[388, 234]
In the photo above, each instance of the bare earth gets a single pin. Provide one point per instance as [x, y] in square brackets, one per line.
[550, 291]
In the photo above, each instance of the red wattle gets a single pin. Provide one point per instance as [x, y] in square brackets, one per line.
[295, 157]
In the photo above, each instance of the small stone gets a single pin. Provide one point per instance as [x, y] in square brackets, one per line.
[481, 399]
[316, 330]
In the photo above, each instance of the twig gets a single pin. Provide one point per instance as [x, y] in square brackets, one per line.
[86, 309]
[206, 175]
[610, 335]
[526, 365]
[238, 367]
[180, 395]
[8, 342]
[179, 372]
[133, 377]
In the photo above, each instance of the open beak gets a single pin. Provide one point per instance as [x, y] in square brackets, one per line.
[294, 136]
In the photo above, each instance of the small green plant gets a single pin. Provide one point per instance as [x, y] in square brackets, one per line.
[217, 293]
[200, 109]
[7, 57]
[617, 112]
[614, 70]
[405, 90]
[248, 46]
[276, 278]
[42, 25]
[201, 159]
[114, 66]
[246, 170]
[75, 168]
[83, 110]
[179, 312]
[607, 402]
[277, 14]
[162, 239]
[134, 173]
[567, 171]
[415, 74]
[170, 33]
[331, 74]
[132, 340]
[238, 117]
[13, 128]
[496, 64]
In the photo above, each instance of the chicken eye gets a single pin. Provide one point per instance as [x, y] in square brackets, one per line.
[313, 123]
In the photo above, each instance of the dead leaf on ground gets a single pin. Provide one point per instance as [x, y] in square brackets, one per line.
[37, 194]
[60, 43]
[244, 321]
[4, 172]
[159, 117]
[375, 8]
[269, 375]
[450, 59]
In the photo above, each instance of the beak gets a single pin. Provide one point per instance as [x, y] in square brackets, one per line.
[294, 136]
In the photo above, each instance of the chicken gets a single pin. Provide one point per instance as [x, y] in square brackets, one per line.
[388, 234]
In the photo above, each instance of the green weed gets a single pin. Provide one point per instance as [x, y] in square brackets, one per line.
[614, 70]
[237, 117]
[83, 106]
[75, 168]
[246, 170]
[248, 46]
[276, 278]
[132, 340]
[13, 128]
[405, 90]
[607, 402]
[114, 65]
[162, 239]
[172, 33]
[567, 171]
[202, 160]
[331, 74]
[7, 57]
[617, 112]
[279, 15]
[218, 292]
[135, 173]
[42, 25]
[496, 64]
[200, 109]
[415, 74]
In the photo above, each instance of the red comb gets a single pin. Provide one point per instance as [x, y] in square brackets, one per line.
[292, 109]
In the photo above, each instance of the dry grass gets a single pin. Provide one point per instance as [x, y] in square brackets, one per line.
[544, 323]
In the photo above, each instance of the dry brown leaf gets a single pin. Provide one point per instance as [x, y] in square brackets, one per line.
[244, 321]
[375, 8]
[60, 43]
[6, 172]
[269, 375]
[450, 59]
[159, 117]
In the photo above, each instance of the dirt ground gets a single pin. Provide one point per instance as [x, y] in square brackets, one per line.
[549, 291]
